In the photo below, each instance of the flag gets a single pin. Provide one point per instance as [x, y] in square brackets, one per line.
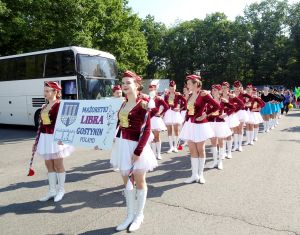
[297, 92]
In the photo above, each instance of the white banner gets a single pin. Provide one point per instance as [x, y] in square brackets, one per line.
[87, 123]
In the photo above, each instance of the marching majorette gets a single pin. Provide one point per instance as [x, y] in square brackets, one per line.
[46, 148]
[242, 114]
[256, 106]
[250, 123]
[172, 117]
[277, 107]
[267, 110]
[220, 127]
[132, 153]
[117, 91]
[232, 119]
[186, 94]
[157, 123]
[196, 129]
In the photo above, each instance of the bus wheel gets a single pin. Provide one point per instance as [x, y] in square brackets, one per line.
[36, 118]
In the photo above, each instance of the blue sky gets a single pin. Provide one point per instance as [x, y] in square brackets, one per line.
[168, 11]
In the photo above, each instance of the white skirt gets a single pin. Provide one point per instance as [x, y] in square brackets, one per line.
[122, 152]
[157, 124]
[232, 120]
[172, 118]
[242, 115]
[221, 129]
[255, 118]
[48, 149]
[196, 132]
[183, 114]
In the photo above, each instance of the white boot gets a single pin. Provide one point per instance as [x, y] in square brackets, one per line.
[268, 126]
[201, 168]
[251, 137]
[195, 170]
[240, 149]
[52, 187]
[175, 149]
[220, 162]
[229, 147]
[61, 178]
[265, 126]
[236, 142]
[139, 218]
[130, 203]
[247, 138]
[271, 124]
[158, 147]
[171, 144]
[153, 146]
[255, 138]
[214, 163]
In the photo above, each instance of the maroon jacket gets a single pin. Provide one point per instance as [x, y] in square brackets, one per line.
[200, 106]
[158, 103]
[257, 104]
[248, 101]
[178, 100]
[237, 102]
[224, 108]
[49, 129]
[136, 118]
[243, 97]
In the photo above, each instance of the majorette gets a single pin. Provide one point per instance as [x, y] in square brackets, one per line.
[45, 147]
[220, 127]
[157, 123]
[172, 117]
[196, 129]
[131, 152]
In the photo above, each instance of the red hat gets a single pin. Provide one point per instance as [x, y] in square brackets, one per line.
[53, 85]
[216, 86]
[116, 88]
[172, 83]
[237, 84]
[193, 77]
[131, 74]
[225, 84]
[152, 86]
[249, 86]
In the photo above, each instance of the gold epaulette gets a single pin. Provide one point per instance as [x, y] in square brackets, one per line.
[144, 104]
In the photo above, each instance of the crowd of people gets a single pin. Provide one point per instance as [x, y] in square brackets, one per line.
[220, 116]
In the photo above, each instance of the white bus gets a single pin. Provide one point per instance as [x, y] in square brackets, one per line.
[83, 73]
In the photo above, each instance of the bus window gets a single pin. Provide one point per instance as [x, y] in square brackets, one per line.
[60, 64]
[3, 70]
[35, 66]
[68, 63]
[20, 68]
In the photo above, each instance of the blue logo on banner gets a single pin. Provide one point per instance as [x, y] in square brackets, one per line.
[69, 113]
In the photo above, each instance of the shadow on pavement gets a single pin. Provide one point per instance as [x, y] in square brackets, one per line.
[13, 133]
[292, 129]
[103, 231]
[177, 167]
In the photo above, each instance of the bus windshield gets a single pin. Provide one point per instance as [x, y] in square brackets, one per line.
[97, 67]
[96, 76]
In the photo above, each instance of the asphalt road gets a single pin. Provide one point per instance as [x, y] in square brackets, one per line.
[258, 192]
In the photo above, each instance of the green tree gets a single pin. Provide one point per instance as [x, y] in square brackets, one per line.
[154, 33]
[108, 25]
[268, 23]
